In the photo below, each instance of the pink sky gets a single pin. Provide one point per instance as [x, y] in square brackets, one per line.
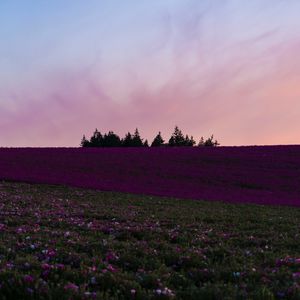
[228, 69]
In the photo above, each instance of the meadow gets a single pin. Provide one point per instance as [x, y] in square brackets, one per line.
[133, 224]
[58, 242]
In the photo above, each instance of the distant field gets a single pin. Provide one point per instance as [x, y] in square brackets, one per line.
[263, 175]
[59, 242]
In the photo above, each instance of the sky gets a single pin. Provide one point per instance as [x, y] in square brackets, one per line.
[225, 67]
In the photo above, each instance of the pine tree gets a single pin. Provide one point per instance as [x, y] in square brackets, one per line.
[96, 139]
[177, 138]
[189, 141]
[111, 140]
[127, 141]
[192, 141]
[210, 142]
[84, 142]
[136, 139]
[201, 142]
[158, 140]
[171, 142]
[145, 144]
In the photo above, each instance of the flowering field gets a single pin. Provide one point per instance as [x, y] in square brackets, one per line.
[59, 242]
[263, 175]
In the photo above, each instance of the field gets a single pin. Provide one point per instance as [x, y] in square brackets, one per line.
[262, 175]
[132, 223]
[58, 242]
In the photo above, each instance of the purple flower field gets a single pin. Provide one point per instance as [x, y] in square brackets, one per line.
[261, 174]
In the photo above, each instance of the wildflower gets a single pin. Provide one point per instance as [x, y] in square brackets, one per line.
[296, 275]
[132, 291]
[27, 265]
[46, 266]
[281, 294]
[51, 253]
[9, 265]
[60, 266]
[167, 292]
[93, 280]
[28, 278]
[20, 230]
[71, 287]
[111, 268]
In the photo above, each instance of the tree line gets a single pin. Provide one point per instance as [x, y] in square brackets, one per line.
[177, 138]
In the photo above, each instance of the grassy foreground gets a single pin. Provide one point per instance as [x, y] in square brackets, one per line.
[65, 243]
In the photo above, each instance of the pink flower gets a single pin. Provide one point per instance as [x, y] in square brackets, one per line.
[46, 266]
[296, 275]
[28, 278]
[132, 291]
[51, 253]
[111, 268]
[60, 266]
[71, 287]
[20, 230]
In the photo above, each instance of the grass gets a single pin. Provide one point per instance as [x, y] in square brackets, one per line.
[58, 242]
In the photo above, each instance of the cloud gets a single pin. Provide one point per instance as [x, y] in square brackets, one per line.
[195, 70]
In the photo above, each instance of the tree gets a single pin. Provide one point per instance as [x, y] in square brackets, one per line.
[136, 139]
[127, 141]
[84, 142]
[189, 141]
[201, 142]
[96, 139]
[192, 142]
[210, 142]
[111, 140]
[158, 140]
[177, 138]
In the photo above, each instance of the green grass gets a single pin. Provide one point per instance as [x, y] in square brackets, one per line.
[65, 243]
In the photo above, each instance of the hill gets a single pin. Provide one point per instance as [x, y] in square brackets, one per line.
[262, 174]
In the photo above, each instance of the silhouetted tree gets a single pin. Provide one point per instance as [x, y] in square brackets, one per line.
[96, 139]
[210, 142]
[111, 140]
[136, 139]
[127, 141]
[177, 138]
[189, 141]
[158, 140]
[201, 142]
[84, 142]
